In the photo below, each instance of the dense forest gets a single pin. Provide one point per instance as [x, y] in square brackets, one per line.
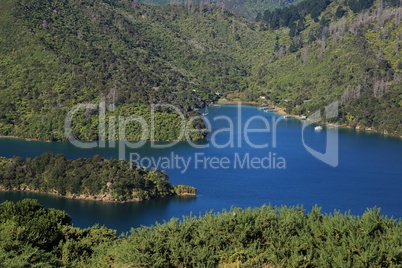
[294, 16]
[318, 52]
[246, 8]
[91, 178]
[34, 236]
[57, 54]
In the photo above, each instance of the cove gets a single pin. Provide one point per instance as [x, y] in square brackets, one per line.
[369, 172]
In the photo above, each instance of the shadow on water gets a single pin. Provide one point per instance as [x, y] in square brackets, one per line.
[118, 216]
[369, 173]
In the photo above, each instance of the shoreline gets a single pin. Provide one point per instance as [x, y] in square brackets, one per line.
[59, 141]
[281, 111]
[276, 109]
[99, 198]
[251, 103]
[26, 139]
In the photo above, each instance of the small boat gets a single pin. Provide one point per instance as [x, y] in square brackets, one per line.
[318, 128]
[303, 117]
[286, 116]
[265, 109]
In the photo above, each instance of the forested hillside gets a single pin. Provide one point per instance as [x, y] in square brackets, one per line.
[33, 236]
[56, 54]
[318, 52]
[86, 178]
[250, 9]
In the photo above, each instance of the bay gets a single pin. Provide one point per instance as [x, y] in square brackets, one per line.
[369, 172]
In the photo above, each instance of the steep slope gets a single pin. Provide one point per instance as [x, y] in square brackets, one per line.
[56, 54]
[246, 8]
[353, 58]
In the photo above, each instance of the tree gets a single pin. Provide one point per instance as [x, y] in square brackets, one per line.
[340, 12]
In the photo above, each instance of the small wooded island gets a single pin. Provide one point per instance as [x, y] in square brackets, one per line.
[95, 178]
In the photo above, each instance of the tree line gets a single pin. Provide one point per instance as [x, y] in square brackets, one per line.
[94, 178]
[294, 16]
[34, 236]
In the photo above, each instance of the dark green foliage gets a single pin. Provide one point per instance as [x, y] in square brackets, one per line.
[392, 3]
[358, 5]
[340, 12]
[34, 236]
[250, 8]
[36, 225]
[246, 8]
[289, 16]
[57, 54]
[267, 236]
[96, 178]
[378, 113]
[344, 57]
[78, 245]
[185, 190]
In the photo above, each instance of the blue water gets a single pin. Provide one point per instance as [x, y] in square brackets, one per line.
[369, 172]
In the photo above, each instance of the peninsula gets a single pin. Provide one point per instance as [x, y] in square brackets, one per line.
[93, 178]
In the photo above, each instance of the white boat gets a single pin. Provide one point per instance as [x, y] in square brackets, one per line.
[303, 117]
[266, 109]
[286, 116]
[318, 128]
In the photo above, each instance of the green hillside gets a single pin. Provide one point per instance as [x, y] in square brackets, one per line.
[57, 54]
[247, 8]
[310, 61]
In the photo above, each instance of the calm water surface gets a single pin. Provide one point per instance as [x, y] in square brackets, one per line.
[369, 172]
